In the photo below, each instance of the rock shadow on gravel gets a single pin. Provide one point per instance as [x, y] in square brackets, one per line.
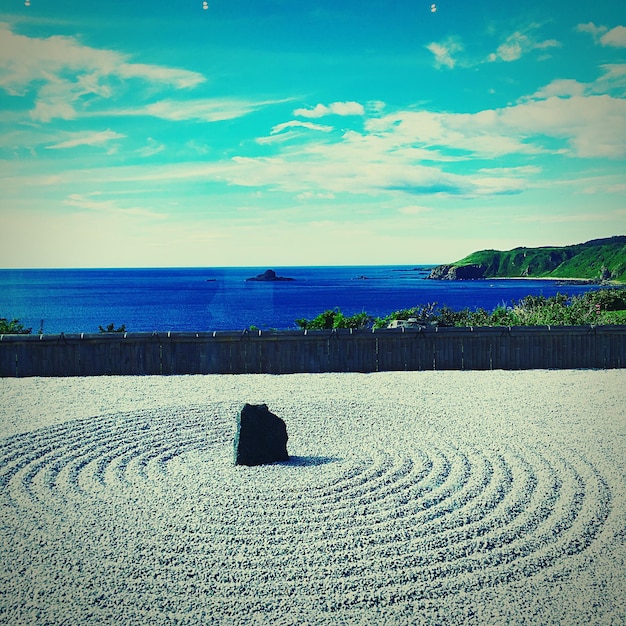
[309, 461]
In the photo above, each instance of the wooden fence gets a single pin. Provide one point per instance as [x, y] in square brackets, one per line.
[285, 352]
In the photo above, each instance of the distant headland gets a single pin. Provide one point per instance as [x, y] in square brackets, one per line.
[598, 260]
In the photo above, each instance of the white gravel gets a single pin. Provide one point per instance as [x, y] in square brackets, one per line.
[410, 498]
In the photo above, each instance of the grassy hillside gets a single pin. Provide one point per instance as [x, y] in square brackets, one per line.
[594, 260]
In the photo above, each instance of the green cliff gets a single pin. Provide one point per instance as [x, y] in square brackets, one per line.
[596, 260]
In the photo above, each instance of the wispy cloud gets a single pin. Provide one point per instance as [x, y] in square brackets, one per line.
[206, 110]
[611, 81]
[445, 52]
[518, 44]
[450, 52]
[87, 139]
[560, 88]
[335, 108]
[86, 202]
[177, 78]
[153, 147]
[201, 109]
[311, 195]
[292, 130]
[595, 31]
[279, 128]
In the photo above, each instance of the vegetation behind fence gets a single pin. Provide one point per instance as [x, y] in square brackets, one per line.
[284, 352]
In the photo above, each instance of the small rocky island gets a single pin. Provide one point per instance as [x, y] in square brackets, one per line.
[269, 276]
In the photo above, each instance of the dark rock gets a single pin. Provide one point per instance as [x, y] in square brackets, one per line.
[268, 276]
[261, 436]
[457, 272]
[440, 272]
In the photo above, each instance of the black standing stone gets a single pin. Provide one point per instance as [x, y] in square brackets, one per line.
[261, 436]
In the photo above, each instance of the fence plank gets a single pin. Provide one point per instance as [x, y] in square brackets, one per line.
[282, 352]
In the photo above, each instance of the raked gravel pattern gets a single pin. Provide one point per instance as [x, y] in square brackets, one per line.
[409, 498]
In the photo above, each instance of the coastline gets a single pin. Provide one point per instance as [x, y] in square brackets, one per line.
[183, 300]
[410, 497]
[573, 281]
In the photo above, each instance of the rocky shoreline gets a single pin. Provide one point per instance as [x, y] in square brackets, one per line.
[479, 272]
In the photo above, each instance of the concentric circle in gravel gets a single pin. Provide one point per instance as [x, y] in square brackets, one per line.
[150, 503]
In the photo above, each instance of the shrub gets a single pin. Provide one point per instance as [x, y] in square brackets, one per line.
[603, 306]
[330, 319]
[111, 329]
[423, 314]
[13, 327]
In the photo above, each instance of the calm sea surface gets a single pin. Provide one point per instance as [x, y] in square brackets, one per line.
[205, 299]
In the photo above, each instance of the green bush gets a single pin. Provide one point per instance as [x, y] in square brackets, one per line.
[603, 306]
[111, 329]
[13, 327]
[330, 319]
[423, 314]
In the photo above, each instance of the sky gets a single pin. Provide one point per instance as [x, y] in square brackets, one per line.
[328, 132]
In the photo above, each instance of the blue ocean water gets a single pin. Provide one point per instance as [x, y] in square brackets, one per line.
[207, 299]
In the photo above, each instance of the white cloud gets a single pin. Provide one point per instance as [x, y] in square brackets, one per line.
[592, 29]
[518, 44]
[356, 167]
[407, 153]
[611, 80]
[616, 37]
[346, 108]
[201, 109]
[287, 131]
[593, 126]
[89, 138]
[512, 48]
[153, 147]
[615, 71]
[177, 78]
[26, 59]
[444, 52]
[561, 88]
[521, 170]
[580, 126]
[62, 71]
[279, 128]
[311, 195]
[603, 188]
[475, 134]
[335, 108]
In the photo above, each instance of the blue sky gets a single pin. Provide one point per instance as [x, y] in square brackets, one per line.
[273, 132]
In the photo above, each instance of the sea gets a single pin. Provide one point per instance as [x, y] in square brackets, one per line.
[211, 299]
